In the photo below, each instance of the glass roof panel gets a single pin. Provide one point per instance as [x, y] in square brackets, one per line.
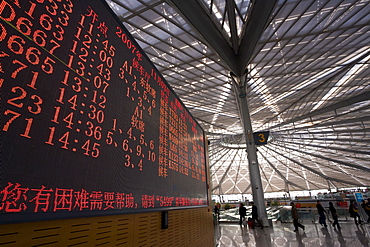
[308, 84]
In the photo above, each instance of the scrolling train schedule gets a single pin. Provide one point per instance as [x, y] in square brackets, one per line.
[88, 124]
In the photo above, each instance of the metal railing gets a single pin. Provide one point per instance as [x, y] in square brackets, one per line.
[283, 214]
[310, 214]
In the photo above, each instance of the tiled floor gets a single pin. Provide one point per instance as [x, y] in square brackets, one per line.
[282, 234]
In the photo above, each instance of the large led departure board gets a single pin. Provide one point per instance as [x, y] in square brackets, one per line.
[88, 125]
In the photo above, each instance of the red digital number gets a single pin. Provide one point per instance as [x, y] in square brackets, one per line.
[24, 25]
[39, 37]
[73, 49]
[16, 46]
[59, 34]
[140, 164]
[61, 95]
[23, 94]
[69, 120]
[52, 9]
[28, 128]
[94, 114]
[37, 103]
[87, 42]
[31, 10]
[125, 40]
[96, 132]
[45, 22]
[142, 141]
[70, 61]
[128, 161]
[125, 145]
[68, 7]
[64, 20]
[114, 124]
[150, 110]
[83, 56]
[111, 49]
[22, 66]
[77, 86]
[129, 133]
[56, 114]
[98, 83]
[151, 144]
[56, 45]
[101, 97]
[109, 139]
[15, 115]
[138, 150]
[73, 101]
[51, 136]
[64, 139]
[47, 66]
[106, 73]
[81, 69]
[78, 34]
[104, 58]
[32, 55]
[66, 76]
[151, 156]
[95, 151]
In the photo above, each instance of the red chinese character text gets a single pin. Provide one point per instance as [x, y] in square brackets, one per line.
[103, 28]
[92, 14]
[63, 199]
[109, 200]
[147, 201]
[120, 200]
[82, 200]
[42, 198]
[13, 199]
[130, 201]
[96, 200]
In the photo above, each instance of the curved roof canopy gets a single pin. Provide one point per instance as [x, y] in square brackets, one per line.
[308, 83]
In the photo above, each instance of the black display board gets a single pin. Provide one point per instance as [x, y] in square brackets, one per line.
[88, 125]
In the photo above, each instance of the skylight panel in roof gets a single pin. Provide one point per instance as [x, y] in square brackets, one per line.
[302, 54]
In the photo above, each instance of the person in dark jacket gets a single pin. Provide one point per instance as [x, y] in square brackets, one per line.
[366, 207]
[255, 216]
[242, 213]
[216, 211]
[295, 218]
[334, 214]
[353, 212]
[322, 213]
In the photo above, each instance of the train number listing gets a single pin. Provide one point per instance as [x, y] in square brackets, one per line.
[88, 124]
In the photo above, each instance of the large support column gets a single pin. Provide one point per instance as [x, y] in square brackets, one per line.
[254, 172]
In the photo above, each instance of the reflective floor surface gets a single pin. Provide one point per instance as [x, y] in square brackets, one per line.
[282, 234]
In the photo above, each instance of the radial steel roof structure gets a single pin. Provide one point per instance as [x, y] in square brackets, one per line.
[308, 83]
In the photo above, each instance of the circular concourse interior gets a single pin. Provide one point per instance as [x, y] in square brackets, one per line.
[306, 70]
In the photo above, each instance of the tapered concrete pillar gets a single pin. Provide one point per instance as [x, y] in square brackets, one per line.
[254, 172]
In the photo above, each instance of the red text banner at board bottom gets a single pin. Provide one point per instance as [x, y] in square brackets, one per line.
[17, 198]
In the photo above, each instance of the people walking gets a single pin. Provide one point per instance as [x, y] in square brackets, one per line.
[242, 213]
[322, 213]
[255, 216]
[216, 211]
[366, 207]
[334, 215]
[295, 218]
[353, 212]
